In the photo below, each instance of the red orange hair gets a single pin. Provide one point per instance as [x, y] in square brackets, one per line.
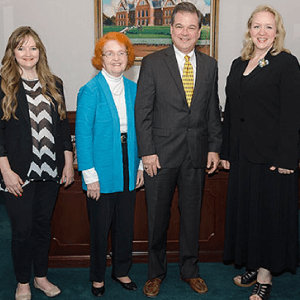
[121, 39]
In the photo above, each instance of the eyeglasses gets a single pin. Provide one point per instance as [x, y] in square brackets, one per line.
[110, 55]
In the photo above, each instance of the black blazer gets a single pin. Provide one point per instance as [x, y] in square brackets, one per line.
[165, 125]
[262, 113]
[16, 139]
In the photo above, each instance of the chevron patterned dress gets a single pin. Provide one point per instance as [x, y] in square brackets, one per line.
[43, 165]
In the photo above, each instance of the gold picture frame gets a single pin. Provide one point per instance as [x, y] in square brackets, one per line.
[127, 12]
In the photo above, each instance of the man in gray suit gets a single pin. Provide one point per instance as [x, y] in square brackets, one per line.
[177, 140]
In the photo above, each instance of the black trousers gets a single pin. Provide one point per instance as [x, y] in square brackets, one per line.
[159, 194]
[113, 211]
[30, 217]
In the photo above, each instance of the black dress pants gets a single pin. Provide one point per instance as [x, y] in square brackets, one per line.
[30, 217]
[115, 211]
[159, 194]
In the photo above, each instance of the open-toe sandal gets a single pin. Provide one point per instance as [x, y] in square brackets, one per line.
[262, 290]
[247, 279]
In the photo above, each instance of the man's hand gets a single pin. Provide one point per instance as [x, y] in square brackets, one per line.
[213, 160]
[151, 164]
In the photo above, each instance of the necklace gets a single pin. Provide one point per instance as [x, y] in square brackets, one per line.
[27, 79]
[29, 76]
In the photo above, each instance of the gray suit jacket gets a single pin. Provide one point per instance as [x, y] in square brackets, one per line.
[165, 125]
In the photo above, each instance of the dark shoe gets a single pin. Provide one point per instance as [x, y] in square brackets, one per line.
[151, 287]
[197, 284]
[98, 292]
[247, 279]
[262, 290]
[131, 286]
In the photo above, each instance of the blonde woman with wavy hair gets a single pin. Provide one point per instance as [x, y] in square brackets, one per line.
[278, 44]
[11, 73]
[261, 150]
[35, 155]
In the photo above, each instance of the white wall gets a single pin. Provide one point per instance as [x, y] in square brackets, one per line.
[67, 30]
[234, 15]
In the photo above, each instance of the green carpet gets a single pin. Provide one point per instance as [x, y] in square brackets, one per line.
[75, 285]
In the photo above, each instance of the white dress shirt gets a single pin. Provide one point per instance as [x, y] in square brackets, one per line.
[181, 61]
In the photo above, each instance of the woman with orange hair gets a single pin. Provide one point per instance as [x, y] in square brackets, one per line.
[107, 156]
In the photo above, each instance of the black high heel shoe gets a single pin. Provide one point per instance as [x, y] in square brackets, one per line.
[131, 286]
[98, 292]
[263, 290]
[247, 279]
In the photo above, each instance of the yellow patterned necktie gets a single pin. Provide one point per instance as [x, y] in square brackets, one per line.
[188, 80]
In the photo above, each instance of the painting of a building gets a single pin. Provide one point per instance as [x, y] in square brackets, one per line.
[145, 12]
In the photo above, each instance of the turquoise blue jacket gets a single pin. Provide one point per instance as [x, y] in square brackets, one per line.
[98, 136]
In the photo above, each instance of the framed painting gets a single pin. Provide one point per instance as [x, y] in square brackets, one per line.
[147, 23]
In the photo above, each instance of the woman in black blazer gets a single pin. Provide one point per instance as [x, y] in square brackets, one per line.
[261, 148]
[35, 155]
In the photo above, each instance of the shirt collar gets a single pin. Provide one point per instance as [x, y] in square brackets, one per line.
[181, 55]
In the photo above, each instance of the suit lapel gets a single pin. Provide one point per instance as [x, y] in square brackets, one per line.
[54, 114]
[200, 74]
[23, 104]
[257, 70]
[172, 65]
[254, 72]
[238, 74]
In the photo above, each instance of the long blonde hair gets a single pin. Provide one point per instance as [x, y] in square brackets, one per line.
[278, 45]
[10, 73]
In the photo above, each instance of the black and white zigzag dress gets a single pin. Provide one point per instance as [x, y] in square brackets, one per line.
[43, 165]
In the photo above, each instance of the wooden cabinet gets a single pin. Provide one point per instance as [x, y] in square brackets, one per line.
[211, 236]
[70, 225]
[70, 242]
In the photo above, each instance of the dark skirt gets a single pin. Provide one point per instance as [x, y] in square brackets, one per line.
[261, 218]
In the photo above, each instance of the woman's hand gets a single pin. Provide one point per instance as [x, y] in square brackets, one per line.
[139, 179]
[225, 164]
[12, 180]
[282, 170]
[67, 175]
[68, 171]
[93, 190]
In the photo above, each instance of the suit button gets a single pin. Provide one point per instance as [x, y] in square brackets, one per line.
[242, 120]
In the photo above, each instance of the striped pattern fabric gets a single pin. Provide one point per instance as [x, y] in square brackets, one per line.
[188, 80]
[43, 166]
